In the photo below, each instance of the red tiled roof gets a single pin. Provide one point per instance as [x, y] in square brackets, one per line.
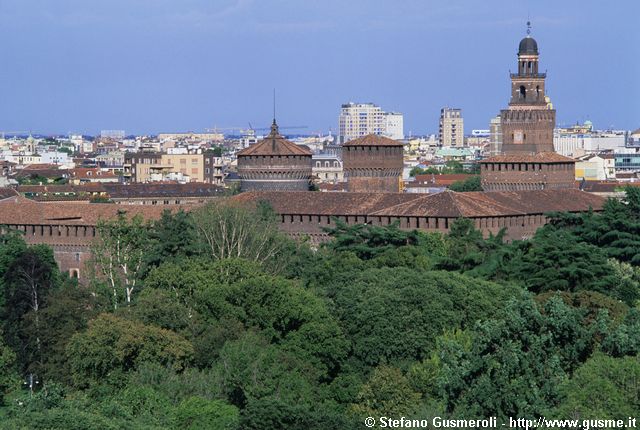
[91, 173]
[23, 211]
[6, 193]
[41, 166]
[605, 187]
[450, 204]
[319, 203]
[442, 179]
[339, 186]
[61, 188]
[540, 157]
[275, 144]
[447, 204]
[372, 140]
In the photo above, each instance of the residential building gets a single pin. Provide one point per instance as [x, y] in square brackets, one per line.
[579, 142]
[451, 129]
[327, 168]
[178, 164]
[360, 119]
[495, 135]
[596, 167]
[393, 125]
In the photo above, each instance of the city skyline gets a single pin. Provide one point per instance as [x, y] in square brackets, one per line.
[151, 67]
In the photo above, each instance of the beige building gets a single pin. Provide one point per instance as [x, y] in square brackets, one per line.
[192, 166]
[189, 136]
[327, 168]
[360, 119]
[495, 135]
[451, 130]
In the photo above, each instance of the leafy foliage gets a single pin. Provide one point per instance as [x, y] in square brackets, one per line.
[230, 325]
[470, 184]
[112, 345]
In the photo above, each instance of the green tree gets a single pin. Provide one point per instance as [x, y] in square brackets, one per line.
[386, 393]
[274, 414]
[367, 241]
[119, 253]
[196, 413]
[28, 280]
[68, 310]
[394, 315]
[251, 368]
[230, 231]
[602, 388]
[624, 339]
[514, 366]
[171, 238]
[465, 246]
[237, 294]
[112, 345]
[470, 184]
[7, 368]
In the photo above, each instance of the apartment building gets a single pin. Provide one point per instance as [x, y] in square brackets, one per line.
[177, 164]
[451, 129]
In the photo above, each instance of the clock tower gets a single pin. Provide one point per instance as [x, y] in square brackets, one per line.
[528, 122]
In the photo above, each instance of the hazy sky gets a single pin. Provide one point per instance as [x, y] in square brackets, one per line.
[148, 66]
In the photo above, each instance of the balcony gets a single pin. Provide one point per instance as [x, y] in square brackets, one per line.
[528, 75]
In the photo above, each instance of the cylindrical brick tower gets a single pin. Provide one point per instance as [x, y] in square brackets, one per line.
[373, 164]
[274, 164]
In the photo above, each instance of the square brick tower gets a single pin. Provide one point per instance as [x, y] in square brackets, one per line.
[373, 164]
[528, 122]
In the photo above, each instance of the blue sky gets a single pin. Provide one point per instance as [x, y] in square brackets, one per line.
[148, 66]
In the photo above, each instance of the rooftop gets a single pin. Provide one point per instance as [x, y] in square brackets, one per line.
[450, 204]
[540, 157]
[447, 204]
[373, 140]
[19, 210]
[275, 144]
[319, 203]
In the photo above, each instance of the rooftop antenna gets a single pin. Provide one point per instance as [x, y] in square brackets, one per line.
[274, 105]
[528, 26]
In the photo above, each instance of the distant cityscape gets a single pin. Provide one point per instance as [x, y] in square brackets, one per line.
[371, 171]
[210, 156]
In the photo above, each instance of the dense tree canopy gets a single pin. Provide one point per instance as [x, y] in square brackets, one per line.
[213, 319]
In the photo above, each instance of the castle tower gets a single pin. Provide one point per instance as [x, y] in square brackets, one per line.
[527, 124]
[373, 164]
[274, 164]
[528, 161]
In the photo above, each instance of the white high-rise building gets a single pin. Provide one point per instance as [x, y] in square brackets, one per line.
[394, 125]
[359, 119]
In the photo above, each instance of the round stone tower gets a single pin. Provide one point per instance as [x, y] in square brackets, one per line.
[373, 164]
[274, 164]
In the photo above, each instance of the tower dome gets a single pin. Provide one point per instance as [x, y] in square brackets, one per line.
[528, 46]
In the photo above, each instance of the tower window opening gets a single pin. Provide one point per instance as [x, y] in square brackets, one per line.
[523, 92]
[538, 91]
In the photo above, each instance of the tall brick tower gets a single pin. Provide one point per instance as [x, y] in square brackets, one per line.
[274, 164]
[373, 164]
[528, 122]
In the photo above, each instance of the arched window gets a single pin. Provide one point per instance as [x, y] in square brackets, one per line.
[523, 92]
[537, 91]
